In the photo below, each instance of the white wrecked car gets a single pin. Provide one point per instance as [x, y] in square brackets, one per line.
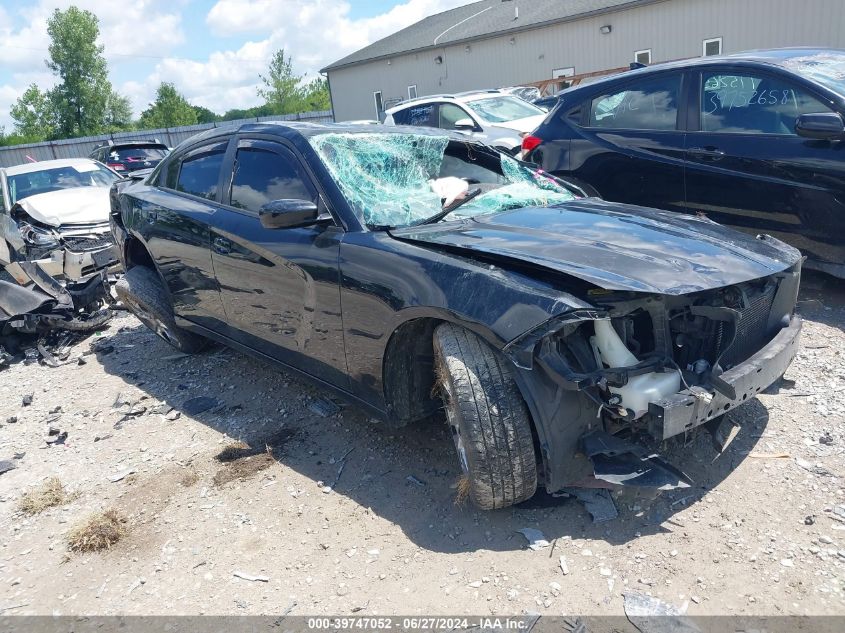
[55, 215]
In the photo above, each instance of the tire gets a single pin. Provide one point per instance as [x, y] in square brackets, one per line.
[142, 292]
[488, 419]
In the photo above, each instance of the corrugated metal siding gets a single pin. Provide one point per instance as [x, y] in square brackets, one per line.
[83, 146]
[673, 29]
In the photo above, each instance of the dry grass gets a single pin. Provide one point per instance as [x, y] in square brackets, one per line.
[99, 532]
[244, 467]
[462, 490]
[48, 495]
[189, 478]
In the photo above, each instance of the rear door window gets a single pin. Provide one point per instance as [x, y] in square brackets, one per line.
[199, 171]
[423, 114]
[265, 172]
[753, 104]
[651, 104]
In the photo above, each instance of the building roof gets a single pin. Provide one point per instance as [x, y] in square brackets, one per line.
[478, 20]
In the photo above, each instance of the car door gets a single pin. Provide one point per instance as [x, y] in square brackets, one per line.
[173, 221]
[280, 287]
[747, 166]
[629, 145]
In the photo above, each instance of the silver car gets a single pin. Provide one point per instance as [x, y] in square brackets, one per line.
[491, 117]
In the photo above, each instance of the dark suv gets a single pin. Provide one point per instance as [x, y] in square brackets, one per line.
[753, 140]
[129, 156]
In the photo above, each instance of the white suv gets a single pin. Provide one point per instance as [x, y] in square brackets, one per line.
[490, 116]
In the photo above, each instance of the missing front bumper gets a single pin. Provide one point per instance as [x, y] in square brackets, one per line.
[688, 409]
[70, 265]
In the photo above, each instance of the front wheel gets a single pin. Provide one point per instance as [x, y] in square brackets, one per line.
[142, 292]
[488, 419]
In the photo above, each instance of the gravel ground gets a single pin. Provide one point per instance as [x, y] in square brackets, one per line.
[335, 515]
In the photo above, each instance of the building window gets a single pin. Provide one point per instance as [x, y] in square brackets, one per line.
[379, 104]
[711, 47]
[412, 92]
[643, 57]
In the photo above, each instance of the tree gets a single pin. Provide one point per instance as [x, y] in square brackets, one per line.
[282, 90]
[80, 99]
[204, 115]
[316, 95]
[118, 116]
[33, 115]
[170, 109]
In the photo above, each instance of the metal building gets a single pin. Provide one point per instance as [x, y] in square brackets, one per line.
[497, 43]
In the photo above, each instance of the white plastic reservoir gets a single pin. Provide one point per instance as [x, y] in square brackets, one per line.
[640, 390]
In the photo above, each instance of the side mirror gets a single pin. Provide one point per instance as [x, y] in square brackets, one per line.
[822, 126]
[288, 214]
[465, 124]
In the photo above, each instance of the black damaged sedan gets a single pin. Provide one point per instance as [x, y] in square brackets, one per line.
[413, 272]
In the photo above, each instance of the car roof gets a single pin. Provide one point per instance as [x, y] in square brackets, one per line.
[291, 129]
[773, 57]
[41, 165]
[459, 97]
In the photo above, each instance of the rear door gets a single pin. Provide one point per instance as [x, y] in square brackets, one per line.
[629, 145]
[173, 219]
[748, 168]
[280, 287]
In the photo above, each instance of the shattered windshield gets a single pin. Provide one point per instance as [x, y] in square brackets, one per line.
[503, 109]
[394, 180]
[826, 68]
[46, 180]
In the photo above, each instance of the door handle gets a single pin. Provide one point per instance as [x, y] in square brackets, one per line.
[221, 245]
[706, 152]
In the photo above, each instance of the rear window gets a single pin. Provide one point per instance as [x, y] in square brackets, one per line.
[137, 153]
[648, 105]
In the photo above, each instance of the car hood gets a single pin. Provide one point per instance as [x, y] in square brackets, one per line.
[528, 124]
[616, 246]
[80, 205]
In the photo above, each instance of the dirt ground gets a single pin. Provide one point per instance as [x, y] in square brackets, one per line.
[335, 515]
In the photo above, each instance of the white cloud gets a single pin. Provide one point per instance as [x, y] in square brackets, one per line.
[314, 32]
[126, 29]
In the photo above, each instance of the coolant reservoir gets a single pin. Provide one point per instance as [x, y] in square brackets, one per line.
[640, 390]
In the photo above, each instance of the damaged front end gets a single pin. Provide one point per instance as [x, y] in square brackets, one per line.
[608, 384]
[70, 253]
[60, 280]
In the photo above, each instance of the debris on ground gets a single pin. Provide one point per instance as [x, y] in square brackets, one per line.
[415, 481]
[597, 501]
[536, 539]
[100, 531]
[6, 465]
[49, 494]
[651, 615]
[250, 577]
[324, 407]
[119, 476]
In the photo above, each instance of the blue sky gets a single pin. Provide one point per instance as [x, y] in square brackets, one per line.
[212, 50]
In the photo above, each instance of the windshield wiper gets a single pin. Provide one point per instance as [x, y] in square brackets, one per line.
[447, 210]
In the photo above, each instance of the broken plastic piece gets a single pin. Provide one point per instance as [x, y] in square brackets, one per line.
[597, 501]
[627, 464]
[536, 539]
[651, 615]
